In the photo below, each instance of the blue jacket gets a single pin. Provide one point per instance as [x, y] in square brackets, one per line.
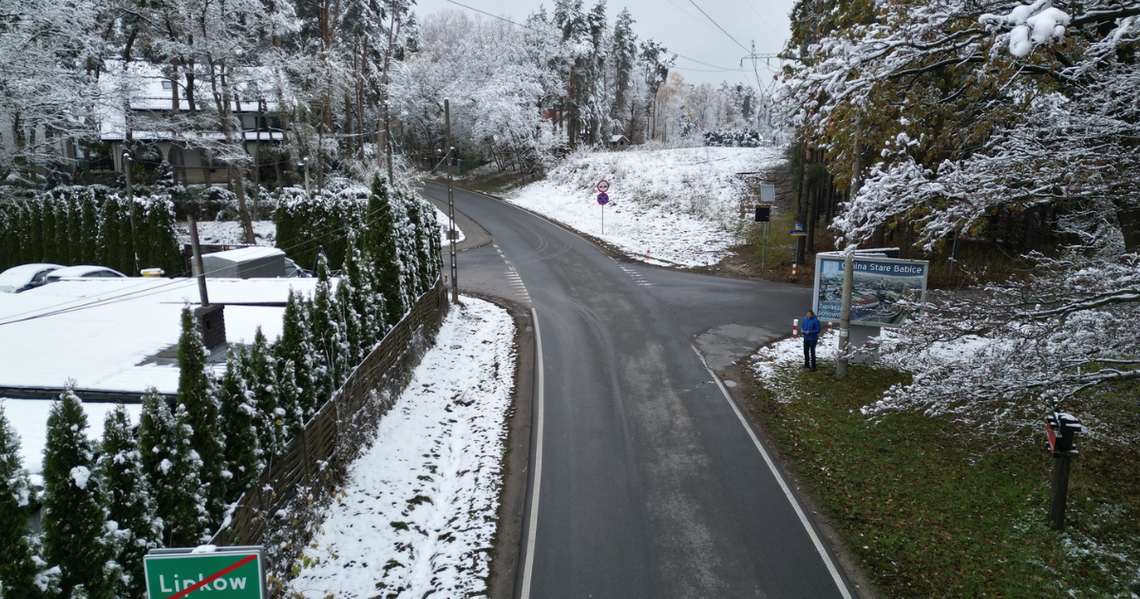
[811, 328]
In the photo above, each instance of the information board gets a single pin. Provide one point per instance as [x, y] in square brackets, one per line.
[878, 285]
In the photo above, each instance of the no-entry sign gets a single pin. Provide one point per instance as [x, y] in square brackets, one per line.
[226, 573]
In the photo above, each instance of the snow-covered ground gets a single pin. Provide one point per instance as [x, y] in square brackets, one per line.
[774, 365]
[418, 513]
[229, 232]
[672, 207]
[102, 332]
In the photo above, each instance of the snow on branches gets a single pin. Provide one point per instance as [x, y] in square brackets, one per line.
[1030, 108]
[1033, 25]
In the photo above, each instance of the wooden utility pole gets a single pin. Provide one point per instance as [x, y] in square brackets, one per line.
[196, 264]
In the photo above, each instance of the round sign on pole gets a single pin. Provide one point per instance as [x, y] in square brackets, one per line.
[603, 186]
[603, 199]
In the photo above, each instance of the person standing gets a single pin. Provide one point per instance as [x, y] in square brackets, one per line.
[811, 328]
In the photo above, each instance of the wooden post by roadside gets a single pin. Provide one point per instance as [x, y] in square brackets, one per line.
[1060, 428]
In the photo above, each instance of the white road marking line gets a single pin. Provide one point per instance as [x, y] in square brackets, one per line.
[783, 484]
[528, 565]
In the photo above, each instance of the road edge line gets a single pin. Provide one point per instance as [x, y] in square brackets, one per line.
[831, 567]
[532, 524]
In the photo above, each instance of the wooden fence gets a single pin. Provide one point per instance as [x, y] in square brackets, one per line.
[293, 486]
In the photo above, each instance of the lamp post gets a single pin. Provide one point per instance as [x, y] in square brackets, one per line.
[128, 170]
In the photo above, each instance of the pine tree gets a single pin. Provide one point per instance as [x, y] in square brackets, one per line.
[328, 337]
[296, 347]
[74, 229]
[129, 502]
[110, 233]
[197, 394]
[173, 469]
[49, 212]
[75, 534]
[36, 231]
[162, 248]
[381, 246]
[418, 236]
[289, 398]
[88, 231]
[351, 303]
[238, 415]
[261, 376]
[17, 564]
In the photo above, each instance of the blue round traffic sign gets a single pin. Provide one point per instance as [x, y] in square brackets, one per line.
[603, 199]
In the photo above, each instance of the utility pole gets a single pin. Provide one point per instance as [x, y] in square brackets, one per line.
[450, 203]
[196, 263]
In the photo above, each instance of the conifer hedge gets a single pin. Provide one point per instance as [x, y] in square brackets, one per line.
[90, 225]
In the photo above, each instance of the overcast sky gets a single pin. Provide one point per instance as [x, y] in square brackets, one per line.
[680, 25]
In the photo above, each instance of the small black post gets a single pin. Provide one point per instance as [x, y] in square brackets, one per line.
[1061, 428]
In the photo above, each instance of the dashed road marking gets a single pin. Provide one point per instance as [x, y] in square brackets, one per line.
[636, 276]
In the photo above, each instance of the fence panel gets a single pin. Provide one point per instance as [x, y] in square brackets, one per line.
[315, 461]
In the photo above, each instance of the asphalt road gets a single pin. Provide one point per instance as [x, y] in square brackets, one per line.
[646, 481]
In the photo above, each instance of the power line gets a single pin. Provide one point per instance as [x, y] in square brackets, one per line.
[715, 66]
[472, 8]
[693, 2]
[762, 20]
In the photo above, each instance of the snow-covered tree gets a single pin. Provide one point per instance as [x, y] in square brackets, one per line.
[296, 347]
[964, 111]
[289, 398]
[197, 394]
[328, 335]
[129, 505]
[173, 470]
[260, 374]
[380, 244]
[76, 535]
[239, 417]
[17, 563]
[48, 81]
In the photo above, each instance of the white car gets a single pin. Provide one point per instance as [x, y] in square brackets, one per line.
[83, 271]
[26, 276]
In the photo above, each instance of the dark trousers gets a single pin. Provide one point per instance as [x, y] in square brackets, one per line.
[809, 353]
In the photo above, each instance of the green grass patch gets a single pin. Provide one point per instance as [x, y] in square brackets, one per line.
[932, 509]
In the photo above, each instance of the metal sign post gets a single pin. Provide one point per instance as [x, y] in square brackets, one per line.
[603, 199]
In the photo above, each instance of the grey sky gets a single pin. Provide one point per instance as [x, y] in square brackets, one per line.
[679, 25]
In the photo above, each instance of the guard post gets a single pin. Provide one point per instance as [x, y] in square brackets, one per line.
[1060, 428]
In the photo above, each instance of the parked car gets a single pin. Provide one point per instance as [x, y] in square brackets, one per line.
[26, 276]
[83, 271]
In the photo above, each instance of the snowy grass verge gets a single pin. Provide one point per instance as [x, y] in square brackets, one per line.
[933, 507]
[418, 512]
[674, 207]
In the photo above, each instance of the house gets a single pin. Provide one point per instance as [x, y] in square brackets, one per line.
[154, 114]
[619, 142]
